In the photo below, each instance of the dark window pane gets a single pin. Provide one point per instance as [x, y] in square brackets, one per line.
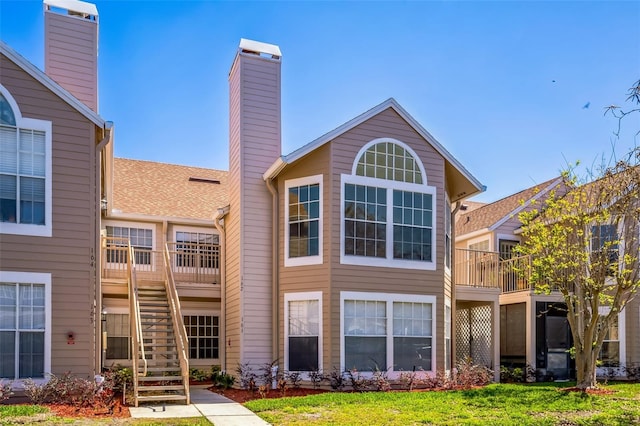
[303, 353]
[365, 353]
[7, 354]
[411, 353]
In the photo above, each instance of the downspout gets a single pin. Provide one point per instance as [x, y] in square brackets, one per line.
[223, 285]
[97, 261]
[275, 288]
[454, 303]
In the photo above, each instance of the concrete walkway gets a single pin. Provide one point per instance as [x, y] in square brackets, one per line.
[219, 410]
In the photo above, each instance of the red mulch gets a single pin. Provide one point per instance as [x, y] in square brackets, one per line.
[64, 410]
[243, 395]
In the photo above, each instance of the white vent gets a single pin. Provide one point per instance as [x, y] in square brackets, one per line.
[260, 48]
[79, 7]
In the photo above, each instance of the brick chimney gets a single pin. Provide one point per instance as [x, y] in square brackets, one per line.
[254, 144]
[71, 47]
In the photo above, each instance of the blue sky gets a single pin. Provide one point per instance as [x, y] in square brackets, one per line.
[502, 85]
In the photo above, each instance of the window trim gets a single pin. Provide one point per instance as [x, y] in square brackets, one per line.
[390, 185]
[136, 225]
[302, 296]
[117, 311]
[622, 344]
[303, 260]
[35, 278]
[45, 126]
[205, 313]
[448, 329]
[389, 299]
[389, 261]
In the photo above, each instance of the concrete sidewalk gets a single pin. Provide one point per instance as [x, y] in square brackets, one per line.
[219, 410]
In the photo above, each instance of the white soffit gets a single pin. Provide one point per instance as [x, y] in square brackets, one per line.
[258, 46]
[74, 6]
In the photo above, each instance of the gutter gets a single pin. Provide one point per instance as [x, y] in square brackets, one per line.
[275, 288]
[107, 133]
[223, 284]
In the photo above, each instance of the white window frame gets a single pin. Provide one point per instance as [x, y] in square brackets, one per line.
[202, 313]
[34, 278]
[194, 229]
[302, 296]
[136, 225]
[622, 346]
[117, 310]
[390, 186]
[448, 357]
[45, 126]
[303, 260]
[389, 299]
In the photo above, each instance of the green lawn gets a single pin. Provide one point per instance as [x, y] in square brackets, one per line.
[13, 415]
[497, 404]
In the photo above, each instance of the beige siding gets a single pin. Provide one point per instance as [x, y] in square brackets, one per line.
[71, 55]
[254, 146]
[70, 254]
[295, 279]
[632, 335]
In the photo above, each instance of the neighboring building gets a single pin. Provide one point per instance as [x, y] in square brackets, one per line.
[534, 330]
[51, 145]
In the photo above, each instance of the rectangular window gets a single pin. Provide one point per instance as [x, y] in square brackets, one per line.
[365, 335]
[412, 223]
[392, 332]
[303, 221]
[203, 332]
[303, 335]
[365, 221]
[412, 333]
[507, 249]
[197, 249]
[610, 352]
[140, 239]
[605, 238]
[22, 330]
[118, 336]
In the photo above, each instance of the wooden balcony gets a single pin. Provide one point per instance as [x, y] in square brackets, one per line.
[484, 269]
[195, 266]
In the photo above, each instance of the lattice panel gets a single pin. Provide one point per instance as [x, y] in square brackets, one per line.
[474, 335]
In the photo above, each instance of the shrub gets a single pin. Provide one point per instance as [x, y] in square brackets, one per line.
[198, 375]
[357, 381]
[468, 375]
[37, 393]
[295, 378]
[5, 391]
[224, 380]
[380, 381]
[267, 377]
[408, 380]
[317, 378]
[246, 376]
[336, 380]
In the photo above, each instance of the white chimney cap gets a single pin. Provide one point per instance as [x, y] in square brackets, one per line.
[74, 6]
[259, 47]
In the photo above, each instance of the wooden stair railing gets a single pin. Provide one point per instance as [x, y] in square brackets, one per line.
[160, 364]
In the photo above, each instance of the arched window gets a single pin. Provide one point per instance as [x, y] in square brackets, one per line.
[388, 209]
[25, 171]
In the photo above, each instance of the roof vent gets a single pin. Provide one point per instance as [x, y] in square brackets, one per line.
[203, 180]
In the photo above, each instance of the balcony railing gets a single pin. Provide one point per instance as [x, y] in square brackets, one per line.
[477, 268]
[190, 262]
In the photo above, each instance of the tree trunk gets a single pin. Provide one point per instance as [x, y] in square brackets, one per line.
[585, 370]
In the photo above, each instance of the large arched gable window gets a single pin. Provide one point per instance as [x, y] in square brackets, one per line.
[25, 171]
[387, 209]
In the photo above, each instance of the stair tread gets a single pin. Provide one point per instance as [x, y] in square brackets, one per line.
[159, 388]
[162, 398]
[159, 378]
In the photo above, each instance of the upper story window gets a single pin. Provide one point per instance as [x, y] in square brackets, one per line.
[197, 249]
[303, 230]
[25, 171]
[604, 247]
[141, 240]
[387, 209]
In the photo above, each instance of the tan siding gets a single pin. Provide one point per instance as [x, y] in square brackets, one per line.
[71, 55]
[67, 254]
[632, 335]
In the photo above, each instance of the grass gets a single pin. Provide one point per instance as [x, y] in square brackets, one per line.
[497, 404]
[13, 415]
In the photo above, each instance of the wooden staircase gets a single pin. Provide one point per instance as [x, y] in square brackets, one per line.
[159, 340]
